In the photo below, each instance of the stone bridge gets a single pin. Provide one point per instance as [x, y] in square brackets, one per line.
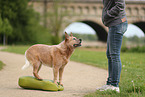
[90, 12]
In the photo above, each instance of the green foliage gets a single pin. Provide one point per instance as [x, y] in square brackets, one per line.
[1, 23]
[84, 37]
[1, 65]
[6, 27]
[55, 17]
[133, 41]
[55, 40]
[139, 49]
[133, 44]
[24, 21]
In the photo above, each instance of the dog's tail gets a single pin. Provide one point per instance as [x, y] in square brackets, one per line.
[27, 64]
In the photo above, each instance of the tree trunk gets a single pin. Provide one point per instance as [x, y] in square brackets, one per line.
[4, 39]
[44, 13]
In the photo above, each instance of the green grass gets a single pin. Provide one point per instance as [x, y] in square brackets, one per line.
[1, 65]
[133, 72]
[90, 57]
[132, 82]
[18, 49]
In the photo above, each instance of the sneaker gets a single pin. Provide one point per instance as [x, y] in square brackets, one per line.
[113, 88]
[103, 87]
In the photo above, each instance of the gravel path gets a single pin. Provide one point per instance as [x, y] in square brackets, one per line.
[79, 79]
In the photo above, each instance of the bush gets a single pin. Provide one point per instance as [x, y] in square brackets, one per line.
[1, 65]
[25, 23]
[139, 49]
[55, 40]
[124, 49]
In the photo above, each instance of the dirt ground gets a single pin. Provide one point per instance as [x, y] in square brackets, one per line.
[78, 79]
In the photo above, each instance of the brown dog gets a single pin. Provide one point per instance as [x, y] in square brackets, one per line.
[55, 56]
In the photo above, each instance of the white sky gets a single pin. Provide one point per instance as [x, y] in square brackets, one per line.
[82, 28]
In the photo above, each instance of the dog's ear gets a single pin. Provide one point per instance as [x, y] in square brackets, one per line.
[66, 36]
[71, 34]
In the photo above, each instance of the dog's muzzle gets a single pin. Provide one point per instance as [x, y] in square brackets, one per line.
[79, 44]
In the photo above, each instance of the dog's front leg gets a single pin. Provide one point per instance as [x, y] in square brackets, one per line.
[55, 73]
[60, 75]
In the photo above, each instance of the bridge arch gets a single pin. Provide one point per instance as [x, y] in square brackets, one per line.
[141, 25]
[100, 31]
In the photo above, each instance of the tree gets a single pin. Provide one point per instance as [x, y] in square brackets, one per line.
[6, 30]
[55, 18]
[1, 23]
[24, 21]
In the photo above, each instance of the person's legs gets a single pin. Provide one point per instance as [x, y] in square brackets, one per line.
[115, 36]
[114, 42]
[109, 79]
[114, 55]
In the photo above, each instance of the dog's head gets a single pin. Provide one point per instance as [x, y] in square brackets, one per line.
[72, 41]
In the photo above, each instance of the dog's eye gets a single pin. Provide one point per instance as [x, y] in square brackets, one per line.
[74, 38]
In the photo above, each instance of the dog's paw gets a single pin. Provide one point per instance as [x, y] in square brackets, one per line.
[56, 82]
[60, 84]
[40, 79]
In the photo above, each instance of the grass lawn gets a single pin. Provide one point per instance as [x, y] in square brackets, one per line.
[19, 49]
[132, 82]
